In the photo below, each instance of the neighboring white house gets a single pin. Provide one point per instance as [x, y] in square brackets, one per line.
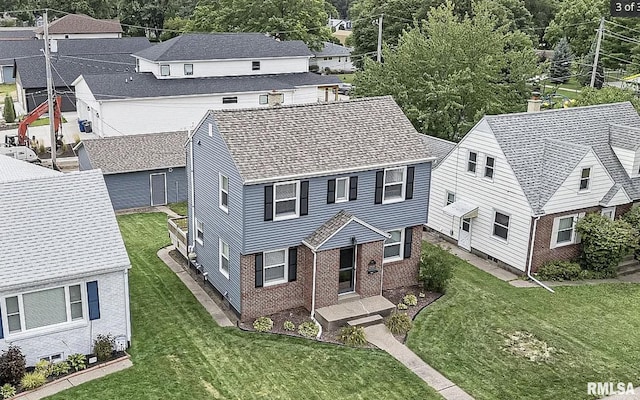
[179, 80]
[64, 267]
[80, 26]
[333, 57]
[514, 187]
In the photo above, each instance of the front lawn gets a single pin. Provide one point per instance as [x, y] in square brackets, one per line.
[180, 353]
[179, 208]
[595, 331]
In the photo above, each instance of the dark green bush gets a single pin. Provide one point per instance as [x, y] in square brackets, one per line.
[9, 113]
[399, 323]
[12, 365]
[103, 347]
[77, 362]
[435, 269]
[560, 271]
[352, 336]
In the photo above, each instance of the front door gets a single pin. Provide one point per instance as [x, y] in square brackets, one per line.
[346, 275]
[464, 236]
[158, 189]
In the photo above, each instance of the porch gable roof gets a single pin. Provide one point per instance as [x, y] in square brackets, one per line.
[329, 235]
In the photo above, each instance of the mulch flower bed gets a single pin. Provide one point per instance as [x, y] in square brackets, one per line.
[397, 295]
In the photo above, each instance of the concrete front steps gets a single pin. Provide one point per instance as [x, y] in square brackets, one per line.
[354, 311]
[629, 265]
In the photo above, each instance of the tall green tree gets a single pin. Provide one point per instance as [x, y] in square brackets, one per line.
[561, 62]
[449, 71]
[542, 12]
[585, 69]
[577, 20]
[9, 113]
[606, 95]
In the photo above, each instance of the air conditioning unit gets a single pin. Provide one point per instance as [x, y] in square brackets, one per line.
[275, 99]
[121, 343]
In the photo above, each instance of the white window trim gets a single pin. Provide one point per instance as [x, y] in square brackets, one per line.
[25, 333]
[221, 255]
[265, 97]
[200, 241]
[291, 216]
[588, 189]
[575, 238]
[402, 191]
[264, 268]
[468, 160]
[165, 65]
[346, 190]
[493, 223]
[220, 191]
[446, 197]
[606, 210]
[493, 169]
[399, 257]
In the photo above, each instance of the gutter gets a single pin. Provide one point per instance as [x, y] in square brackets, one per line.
[191, 247]
[533, 241]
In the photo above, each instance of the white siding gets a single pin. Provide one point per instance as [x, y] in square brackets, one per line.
[627, 158]
[337, 63]
[114, 319]
[568, 197]
[619, 198]
[82, 35]
[86, 104]
[502, 194]
[211, 68]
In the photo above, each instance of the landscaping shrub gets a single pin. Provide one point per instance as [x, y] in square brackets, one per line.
[32, 380]
[289, 326]
[77, 362]
[103, 347]
[560, 271]
[7, 391]
[633, 218]
[263, 324]
[402, 306]
[410, 300]
[60, 368]
[605, 242]
[12, 365]
[352, 336]
[399, 323]
[9, 113]
[435, 269]
[308, 329]
[44, 367]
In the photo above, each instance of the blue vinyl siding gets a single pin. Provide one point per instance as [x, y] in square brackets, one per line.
[211, 158]
[354, 229]
[83, 159]
[132, 189]
[265, 235]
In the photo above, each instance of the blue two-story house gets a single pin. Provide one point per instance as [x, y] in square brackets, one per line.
[296, 206]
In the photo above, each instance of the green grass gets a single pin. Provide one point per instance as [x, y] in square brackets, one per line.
[43, 121]
[597, 328]
[180, 353]
[7, 88]
[347, 78]
[178, 208]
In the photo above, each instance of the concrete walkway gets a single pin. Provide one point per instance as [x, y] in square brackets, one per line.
[169, 212]
[75, 380]
[379, 336]
[202, 296]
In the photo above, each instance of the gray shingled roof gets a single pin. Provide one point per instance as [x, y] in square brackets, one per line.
[118, 154]
[115, 86]
[625, 137]
[543, 148]
[328, 229]
[80, 23]
[56, 227]
[219, 46]
[437, 147]
[332, 50]
[317, 139]
[17, 34]
[14, 170]
[11, 50]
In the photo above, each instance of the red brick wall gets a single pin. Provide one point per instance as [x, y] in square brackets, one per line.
[405, 272]
[368, 285]
[542, 253]
[327, 266]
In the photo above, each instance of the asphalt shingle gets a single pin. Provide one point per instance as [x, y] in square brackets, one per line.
[332, 50]
[437, 147]
[326, 230]
[80, 23]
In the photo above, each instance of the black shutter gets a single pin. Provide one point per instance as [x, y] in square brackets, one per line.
[93, 299]
[268, 203]
[259, 270]
[293, 263]
[409, 191]
[304, 198]
[353, 188]
[1, 331]
[408, 236]
[379, 186]
[331, 191]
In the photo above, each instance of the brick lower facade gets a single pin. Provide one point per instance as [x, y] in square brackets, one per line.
[257, 302]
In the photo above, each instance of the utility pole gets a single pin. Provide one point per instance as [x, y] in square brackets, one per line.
[596, 56]
[380, 38]
[47, 58]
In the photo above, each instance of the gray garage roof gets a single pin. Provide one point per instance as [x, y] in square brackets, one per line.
[319, 139]
[437, 147]
[218, 46]
[119, 154]
[543, 148]
[332, 50]
[56, 227]
[119, 86]
[11, 50]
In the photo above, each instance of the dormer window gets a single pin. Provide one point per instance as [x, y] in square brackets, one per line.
[188, 69]
[255, 65]
[165, 70]
[488, 167]
[585, 179]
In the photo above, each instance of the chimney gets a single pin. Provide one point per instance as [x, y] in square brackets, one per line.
[534, 104]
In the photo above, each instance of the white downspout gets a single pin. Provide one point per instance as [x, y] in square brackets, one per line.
[191, 247]
[533, 242]
[313, 294]
[127, 304]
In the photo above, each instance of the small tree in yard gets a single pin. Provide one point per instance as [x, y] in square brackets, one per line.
[561, 62]
[605, 243]
[435, 269]
[9, 113]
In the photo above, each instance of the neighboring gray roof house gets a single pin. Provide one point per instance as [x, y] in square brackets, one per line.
[83, 24]
[332, 50]
[60, 238]
[17, 33]
[437, 147]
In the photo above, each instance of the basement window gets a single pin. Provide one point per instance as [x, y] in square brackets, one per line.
[230, 100]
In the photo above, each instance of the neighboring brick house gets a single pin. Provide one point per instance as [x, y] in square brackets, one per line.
[515, 186]
[64, 267]
[295, 206]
